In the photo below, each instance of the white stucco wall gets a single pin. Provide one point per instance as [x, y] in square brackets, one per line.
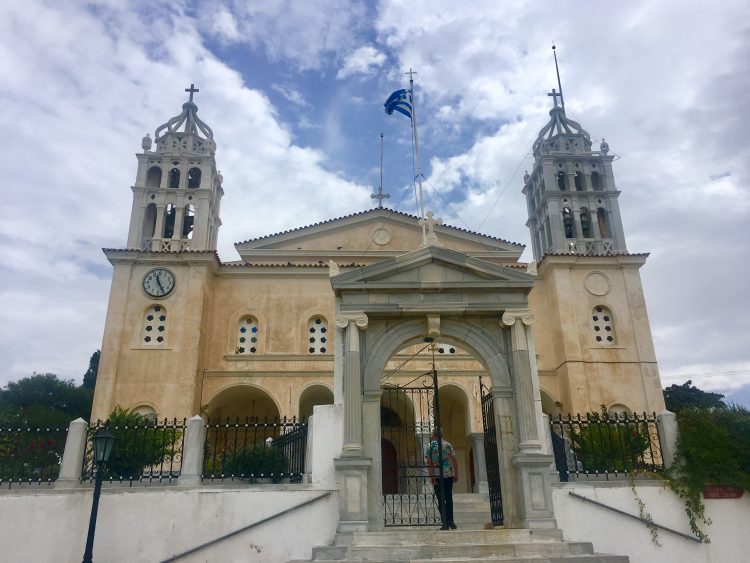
[616, 534]
[153, 523]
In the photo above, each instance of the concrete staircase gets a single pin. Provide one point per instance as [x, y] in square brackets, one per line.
[471, 543]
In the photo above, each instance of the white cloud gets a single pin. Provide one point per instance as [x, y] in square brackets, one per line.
[77, 110]
[303, 33]
[225, 26]
[364, 60]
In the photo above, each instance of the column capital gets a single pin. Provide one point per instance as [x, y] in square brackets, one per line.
[360, 319]
[511, 315]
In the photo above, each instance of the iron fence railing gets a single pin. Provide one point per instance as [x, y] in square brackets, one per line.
[145, 452]
[255, 450]
[604, 445]
[31, 455]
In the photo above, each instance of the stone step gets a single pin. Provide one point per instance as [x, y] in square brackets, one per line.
[409, 536]
[590, 558]
[389, 551]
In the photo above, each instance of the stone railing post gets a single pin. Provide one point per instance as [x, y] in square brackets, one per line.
[72, 461]
[192, 452]
[666, 426]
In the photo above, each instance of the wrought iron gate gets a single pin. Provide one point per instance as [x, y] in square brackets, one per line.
[490, 455]
[408, 416]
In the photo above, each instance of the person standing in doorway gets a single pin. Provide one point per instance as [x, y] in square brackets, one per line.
[450, 475]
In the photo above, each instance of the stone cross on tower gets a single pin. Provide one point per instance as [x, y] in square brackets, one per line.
[555, 94]
[192, 91]
[380, 196]
[430, 223]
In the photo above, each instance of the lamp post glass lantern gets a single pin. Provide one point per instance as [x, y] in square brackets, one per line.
[104, 443]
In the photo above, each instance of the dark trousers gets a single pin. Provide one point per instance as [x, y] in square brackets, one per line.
[448, 485]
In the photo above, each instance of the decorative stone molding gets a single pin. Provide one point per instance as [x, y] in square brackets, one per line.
[597, 283]
[511, 315]
[333, 269]
[433, 325]
[360, 319]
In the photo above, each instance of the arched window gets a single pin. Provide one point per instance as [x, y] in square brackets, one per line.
[317, 335]
[578, 180]
[620, 411]
[174, 178]
[188, 221]
[604, 325]
[146, 411]
[155, 325]
[569, 223]
[153, 177]
[149, 221]
[562, 181]
[194, 178]
[247, 336]
[170, 212]
[601, 217]
[586, 231]
[596, 181]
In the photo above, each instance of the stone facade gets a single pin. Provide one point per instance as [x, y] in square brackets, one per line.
[323, 313]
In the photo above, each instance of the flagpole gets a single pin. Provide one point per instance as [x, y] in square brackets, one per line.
[411, 74]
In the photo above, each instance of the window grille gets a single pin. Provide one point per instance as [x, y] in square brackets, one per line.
[604, 325]
[247, 336]
[317, 335]
[155, 325]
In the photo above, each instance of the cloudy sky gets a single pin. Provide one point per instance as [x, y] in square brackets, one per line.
[294, 91]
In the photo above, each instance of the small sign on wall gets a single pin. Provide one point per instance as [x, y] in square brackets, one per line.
[722, 491]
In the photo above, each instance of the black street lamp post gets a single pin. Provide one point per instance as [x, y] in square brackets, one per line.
[104, 441]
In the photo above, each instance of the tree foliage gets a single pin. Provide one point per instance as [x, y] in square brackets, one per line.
[678, 397]
[43, 400]
[89, 378]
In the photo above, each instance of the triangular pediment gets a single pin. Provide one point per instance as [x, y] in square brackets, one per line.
[368, 237]
[433, 268]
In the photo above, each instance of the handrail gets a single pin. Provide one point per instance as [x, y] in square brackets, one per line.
[245, 528]
[634, 517]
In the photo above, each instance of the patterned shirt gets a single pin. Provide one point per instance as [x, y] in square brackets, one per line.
[431, 458]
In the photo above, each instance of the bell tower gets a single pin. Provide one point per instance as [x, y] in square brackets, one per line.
[177, 190]
[571, 194]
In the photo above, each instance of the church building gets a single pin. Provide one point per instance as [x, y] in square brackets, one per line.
[346, 310]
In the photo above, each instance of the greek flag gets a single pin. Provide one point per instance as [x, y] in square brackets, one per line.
[399, 101]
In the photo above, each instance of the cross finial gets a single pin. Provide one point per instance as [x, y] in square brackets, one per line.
[192, 91]
[555, 94]
[430, 222]
[380, 196]
[411, 74]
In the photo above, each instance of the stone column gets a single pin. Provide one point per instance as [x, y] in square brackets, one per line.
[352, 466]
[528, 432]
[532, 463]
[507, 445]
[480, 464]
[158, 228]
[72, 461]
[352, 383]
[179, 214]
[192, 452]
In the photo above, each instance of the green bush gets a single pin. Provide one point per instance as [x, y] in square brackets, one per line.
[603, 444]
[713, 448]
[140, 444]
[256, 461]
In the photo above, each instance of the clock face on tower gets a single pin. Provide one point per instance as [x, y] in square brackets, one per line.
[159, 282]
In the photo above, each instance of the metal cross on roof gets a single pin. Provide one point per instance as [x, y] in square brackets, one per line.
[380, 196]
[555, 94]
[192, 90]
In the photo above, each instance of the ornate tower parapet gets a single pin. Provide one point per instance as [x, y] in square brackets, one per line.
[571, 194]
[177, 191]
